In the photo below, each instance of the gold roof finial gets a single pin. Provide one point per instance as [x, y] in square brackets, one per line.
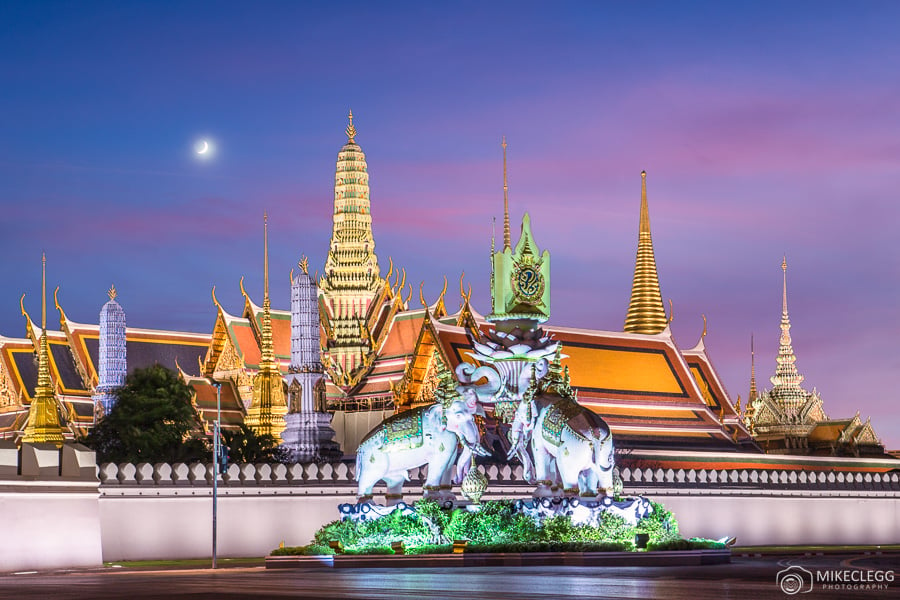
[304, 264]
[351, 129]
[111, 292]
[754, 393]
[43, 414]
[646, 313]
[784, 289]
[506, 239]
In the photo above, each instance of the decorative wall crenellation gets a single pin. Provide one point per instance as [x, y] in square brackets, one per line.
[499, 476]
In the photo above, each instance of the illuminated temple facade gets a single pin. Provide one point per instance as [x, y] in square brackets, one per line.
[372, 353]
[791, 420]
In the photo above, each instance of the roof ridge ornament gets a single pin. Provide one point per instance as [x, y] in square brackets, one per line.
[111, 292]
[351, 129]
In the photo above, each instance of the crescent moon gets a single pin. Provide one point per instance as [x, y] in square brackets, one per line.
[205, 147]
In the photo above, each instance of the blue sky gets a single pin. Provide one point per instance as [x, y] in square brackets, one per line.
[766, 129]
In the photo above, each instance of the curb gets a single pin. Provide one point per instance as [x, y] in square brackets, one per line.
[527, 559]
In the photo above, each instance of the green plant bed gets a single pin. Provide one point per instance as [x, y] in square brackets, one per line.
[495, 527]
[691, 544]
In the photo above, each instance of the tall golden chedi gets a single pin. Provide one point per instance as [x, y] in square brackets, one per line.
[267, 410]
[43, 415]
[352, 279]
[645, 311]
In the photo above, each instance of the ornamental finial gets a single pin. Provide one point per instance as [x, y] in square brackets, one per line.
[304, 264]
[111, 292]
[506, 239]
[351, 130]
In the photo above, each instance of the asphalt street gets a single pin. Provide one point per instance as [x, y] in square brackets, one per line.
[743, 578]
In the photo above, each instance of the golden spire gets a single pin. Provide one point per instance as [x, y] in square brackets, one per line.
[754, 393]
[506, 242]
[351, 130]
[112, 293]
[267, 410]
[267, 352]
[43, 416]
[304, 264]
[646, 313]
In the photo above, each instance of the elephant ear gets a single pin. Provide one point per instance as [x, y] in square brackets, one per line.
[434, 418]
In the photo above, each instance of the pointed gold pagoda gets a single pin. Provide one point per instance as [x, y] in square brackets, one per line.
[43, 416]
[645, 311]
[267, 410]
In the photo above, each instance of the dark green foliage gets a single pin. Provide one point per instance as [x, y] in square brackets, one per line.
[660, 524]
[495, 522]
[691, 544]
[245, 446]
[431, 549]
[396, 527]
[370, 550]
[495, 527]
[521, 547]
[152, 421]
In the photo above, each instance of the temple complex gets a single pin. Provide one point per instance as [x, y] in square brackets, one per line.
[791, 420]
[352, 351]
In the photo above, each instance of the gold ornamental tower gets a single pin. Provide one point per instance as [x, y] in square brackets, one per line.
[267, 410]
[645, 311]
[43, 415]
[352, 277]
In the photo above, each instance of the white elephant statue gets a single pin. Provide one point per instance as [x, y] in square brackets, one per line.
[571, 445]
[424, 435]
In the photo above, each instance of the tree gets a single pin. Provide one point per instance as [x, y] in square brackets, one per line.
[245, 446]
[152, 421]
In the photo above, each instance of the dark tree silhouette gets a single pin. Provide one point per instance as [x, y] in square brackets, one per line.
[152, 421]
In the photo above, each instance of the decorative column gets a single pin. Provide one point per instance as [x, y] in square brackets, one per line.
[308, 434]
[113, 358]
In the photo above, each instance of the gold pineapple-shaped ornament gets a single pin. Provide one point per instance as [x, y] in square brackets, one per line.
[474, 483]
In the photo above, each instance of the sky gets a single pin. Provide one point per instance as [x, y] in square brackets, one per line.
[767, 129]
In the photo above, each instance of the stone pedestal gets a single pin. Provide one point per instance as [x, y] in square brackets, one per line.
[310, 438]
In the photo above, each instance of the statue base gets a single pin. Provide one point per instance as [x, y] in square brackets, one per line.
[585, 511]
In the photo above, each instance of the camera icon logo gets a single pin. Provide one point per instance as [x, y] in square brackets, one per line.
[794, 580]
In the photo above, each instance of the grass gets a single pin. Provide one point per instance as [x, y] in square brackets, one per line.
[191, 563]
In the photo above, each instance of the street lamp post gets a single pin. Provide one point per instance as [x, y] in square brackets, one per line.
[216, 453]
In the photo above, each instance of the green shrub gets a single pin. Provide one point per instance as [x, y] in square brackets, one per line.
[431, 549]
[682, 544]
[310, 550]
[495, 524]
[369, 550]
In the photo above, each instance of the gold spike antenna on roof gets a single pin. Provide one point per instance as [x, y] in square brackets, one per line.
[422, 294]
[243, 291]
[304, 264]
[111, 292]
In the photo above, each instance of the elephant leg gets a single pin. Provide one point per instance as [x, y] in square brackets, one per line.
[394, 483]
[442, 456]
[568, 471]
[545, 477]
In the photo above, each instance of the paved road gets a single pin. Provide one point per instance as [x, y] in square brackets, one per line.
[744, 578]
